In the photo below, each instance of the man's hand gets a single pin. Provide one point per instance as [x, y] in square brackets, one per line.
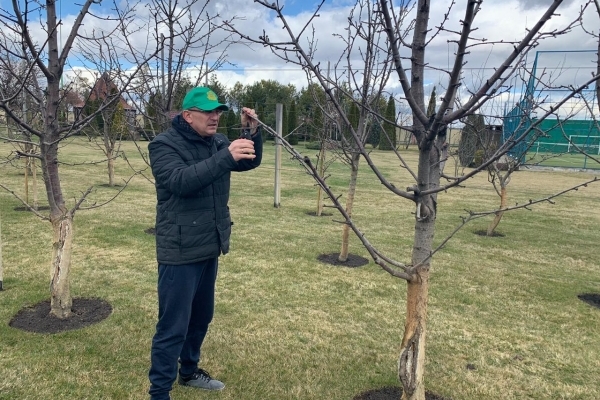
[242, 149]
[248, 117]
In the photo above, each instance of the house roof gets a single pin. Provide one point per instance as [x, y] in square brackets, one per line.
[103, 87]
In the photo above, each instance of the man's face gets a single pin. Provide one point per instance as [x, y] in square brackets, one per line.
[205, 123]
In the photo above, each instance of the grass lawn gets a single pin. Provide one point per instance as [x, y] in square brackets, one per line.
[504, 318]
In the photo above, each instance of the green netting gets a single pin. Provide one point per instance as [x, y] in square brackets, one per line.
[568, 136]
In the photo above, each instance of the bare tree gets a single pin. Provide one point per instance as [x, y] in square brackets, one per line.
[461, 98]
[21, 103]
[186, 45]
[43, 56]
[187, 35]
[361, 93]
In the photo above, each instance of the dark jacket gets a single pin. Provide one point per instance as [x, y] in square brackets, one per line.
[192, 176]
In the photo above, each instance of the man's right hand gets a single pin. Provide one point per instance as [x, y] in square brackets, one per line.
[242, 149]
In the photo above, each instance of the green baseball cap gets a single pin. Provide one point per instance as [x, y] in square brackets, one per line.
[204, 99]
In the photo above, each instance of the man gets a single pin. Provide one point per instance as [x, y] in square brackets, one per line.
[192, 165]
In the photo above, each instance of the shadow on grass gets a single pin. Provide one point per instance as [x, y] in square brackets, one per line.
[593, 299]
[40, 208]
[484, 233]
[314, 214]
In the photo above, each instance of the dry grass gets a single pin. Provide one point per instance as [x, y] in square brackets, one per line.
[288, 327]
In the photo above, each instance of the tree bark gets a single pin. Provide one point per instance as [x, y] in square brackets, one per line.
[355, 159]
[109, 148]
[111, 171]
[322, 153]
[412, 356]
[27, 169]
[494, 224]
[411, 363]
[34, 184]
[61, 301]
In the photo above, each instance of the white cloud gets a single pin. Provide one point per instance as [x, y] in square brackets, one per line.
[497, 20]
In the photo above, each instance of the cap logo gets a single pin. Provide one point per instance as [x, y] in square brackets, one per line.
[211, 96]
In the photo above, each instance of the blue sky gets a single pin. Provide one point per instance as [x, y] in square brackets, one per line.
[291, 7]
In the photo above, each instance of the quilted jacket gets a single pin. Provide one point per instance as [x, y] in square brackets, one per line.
[192, 175]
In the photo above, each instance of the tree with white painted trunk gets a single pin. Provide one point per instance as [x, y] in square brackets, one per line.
[46, 59]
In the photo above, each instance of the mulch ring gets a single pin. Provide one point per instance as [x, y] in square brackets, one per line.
[40, 208]
[593, 299]
[353, 260]
[37, 318]
[484, 233]
[314, 214]
[392, 393]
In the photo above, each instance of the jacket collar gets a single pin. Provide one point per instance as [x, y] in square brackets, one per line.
[182, 127]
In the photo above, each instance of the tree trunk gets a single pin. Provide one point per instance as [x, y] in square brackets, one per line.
[494, 224]
[412, 356]
[34, 183]
[111, 171]
[109, 150]
[343, 257]
[321, 160]
[411, 364]
[60, 217]
[62, 246]
[27, 169]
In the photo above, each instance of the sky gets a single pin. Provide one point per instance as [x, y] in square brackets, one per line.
[497, 20]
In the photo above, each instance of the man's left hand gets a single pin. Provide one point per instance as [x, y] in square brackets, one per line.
[248, 117]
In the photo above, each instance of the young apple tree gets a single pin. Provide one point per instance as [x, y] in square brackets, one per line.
[408, 38]
[39, 50]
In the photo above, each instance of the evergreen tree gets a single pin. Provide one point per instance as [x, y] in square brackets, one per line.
[292, 124]
[431, 105]
[388, 142]
[467, 146]
[232, 118]
[316, 125]
[284, 122]
[353, 117]
[222, 128]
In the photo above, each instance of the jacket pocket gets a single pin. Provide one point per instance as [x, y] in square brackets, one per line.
[197, 229]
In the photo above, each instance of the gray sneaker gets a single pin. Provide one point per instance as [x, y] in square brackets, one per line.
[201, 379]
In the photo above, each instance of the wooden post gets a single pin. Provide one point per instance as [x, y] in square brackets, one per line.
[278, 126]
[1, 287]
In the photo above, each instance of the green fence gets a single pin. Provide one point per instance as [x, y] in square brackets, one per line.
[561, 144]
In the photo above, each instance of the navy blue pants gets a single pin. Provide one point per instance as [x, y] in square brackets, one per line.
[186, 300]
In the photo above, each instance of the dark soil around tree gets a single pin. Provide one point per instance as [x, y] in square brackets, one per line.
[37, 318]
[392, 393]
[314, 214]
[353, 260]
[40, 208]
[593, 299]
[484, 233]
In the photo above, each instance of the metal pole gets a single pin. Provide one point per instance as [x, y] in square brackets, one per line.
[278, 125]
